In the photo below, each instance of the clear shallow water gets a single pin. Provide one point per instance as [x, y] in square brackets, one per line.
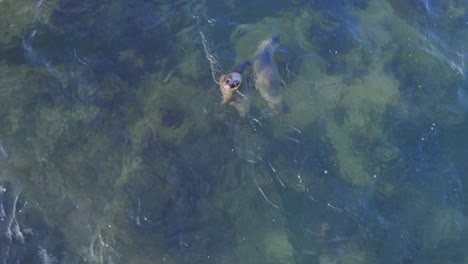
[114, 147]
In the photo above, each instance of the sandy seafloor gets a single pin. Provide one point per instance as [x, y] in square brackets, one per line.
[115, 148]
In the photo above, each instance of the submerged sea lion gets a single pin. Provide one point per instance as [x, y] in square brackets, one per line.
[232, 90]
[267, 76]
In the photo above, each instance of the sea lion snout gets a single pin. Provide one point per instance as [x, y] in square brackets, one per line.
[233, 80]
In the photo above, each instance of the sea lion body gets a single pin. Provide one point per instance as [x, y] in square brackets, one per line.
[268, 79]
[233, 90]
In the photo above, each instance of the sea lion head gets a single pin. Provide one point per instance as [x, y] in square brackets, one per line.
[233, 81]
[229, 84]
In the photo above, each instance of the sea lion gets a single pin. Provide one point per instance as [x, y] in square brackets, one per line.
[232, 90]
[267, 76]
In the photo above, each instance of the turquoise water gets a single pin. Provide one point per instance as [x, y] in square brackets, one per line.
[115, 147]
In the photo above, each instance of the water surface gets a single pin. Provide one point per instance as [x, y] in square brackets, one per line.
[114, 147]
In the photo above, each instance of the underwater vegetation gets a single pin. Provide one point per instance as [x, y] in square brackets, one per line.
[114, 147]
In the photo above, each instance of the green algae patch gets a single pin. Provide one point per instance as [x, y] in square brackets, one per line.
[19, 18]
[19, 96]
[310, 92]
[52, 147]
[53, 123]
[351, 253]
[351, 162]
[258, 238]
[174, 102]
[455, 9]
[278, 249]
[365, 103]
[130, 56]
[351, 107]
[445, 225]
[166, 111]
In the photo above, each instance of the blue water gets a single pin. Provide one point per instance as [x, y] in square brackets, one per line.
[115, 147]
